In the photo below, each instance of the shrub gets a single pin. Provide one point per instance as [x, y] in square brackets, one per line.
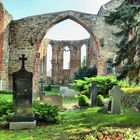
[131, 90]
[6, 92]
[6, 110]
[85, 92]
[100, 100]
[48, 88]
[123, 84]
[104, 83]
[46, 113]
[85, 72]
[83, 101]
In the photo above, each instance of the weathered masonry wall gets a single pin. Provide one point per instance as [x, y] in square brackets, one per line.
[24, 36]
[5, 19]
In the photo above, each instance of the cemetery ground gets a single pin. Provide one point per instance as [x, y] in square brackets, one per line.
[80, 124]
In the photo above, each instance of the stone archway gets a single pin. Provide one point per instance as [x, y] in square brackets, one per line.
[28, 33]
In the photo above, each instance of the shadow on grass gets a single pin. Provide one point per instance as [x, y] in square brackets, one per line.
[75, 125]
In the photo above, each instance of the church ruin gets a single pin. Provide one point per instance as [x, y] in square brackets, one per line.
[26, 36]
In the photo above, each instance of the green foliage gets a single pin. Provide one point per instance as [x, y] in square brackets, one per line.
[127, 18]
[123, 84]
[47, 88]
[79, 123]
[79, 84]
[100, 100]
[131, 90]
[5, 92]
[85, 92]
[6, 110]
[83, 101]
[85, 72]
[104, 83]
[46, 113]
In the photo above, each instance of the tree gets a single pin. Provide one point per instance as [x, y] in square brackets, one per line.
[85, 72]
[84, 61]
[127, 18]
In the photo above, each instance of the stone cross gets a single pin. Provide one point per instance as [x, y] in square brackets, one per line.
[23, 59]
[93, 94]
[116, 94]
[41, 88]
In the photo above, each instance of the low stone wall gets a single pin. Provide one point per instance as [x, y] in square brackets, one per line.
[131, 101]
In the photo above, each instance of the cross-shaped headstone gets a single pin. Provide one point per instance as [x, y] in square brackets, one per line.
[23, 59]
[93, 94]
[41, 88]
[116, 94]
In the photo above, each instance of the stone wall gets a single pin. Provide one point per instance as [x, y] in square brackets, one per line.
[131, 101]
[4, 43]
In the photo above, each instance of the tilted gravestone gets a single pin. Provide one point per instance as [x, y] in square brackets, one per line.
[63, 89]
[54, 100]
[22, 99]
[93, 94]
[116, 94]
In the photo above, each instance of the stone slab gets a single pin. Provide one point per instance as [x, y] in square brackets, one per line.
[22, 125]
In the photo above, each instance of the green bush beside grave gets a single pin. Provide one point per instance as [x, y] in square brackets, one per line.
[47, 88]
[100, 100]
[131, 90]
[6, 92]
[83, 100]
[104, 84]
[6, 110]
[46, 113]
[42, 112]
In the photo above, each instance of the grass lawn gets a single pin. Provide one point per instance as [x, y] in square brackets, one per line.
[55, 90]
[75, 125]
[8, 97]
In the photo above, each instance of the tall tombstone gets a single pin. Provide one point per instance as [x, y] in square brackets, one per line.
[93, 93]
[116, 94]
[22, 98]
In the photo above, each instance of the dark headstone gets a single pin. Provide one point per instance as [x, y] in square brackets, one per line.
[52, 82]
[22, 95]
[93, 94]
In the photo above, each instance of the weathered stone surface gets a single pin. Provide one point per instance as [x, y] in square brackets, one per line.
[22, 125]
[131, 101]
[116, 94]
[54, 100]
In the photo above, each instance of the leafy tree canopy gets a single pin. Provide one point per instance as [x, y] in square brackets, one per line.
[127, 18]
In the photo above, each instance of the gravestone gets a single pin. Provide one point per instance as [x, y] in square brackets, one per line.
[116, 94]
[63, 89]
[93, 93]
[54, 100]
[41, 88]
[22, 99]
[69, 93]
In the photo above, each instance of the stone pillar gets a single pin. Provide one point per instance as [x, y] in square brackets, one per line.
[75, 60]
[78, 58]
[54, 63]
[61, 74]
[1, 41]
[91, 53]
